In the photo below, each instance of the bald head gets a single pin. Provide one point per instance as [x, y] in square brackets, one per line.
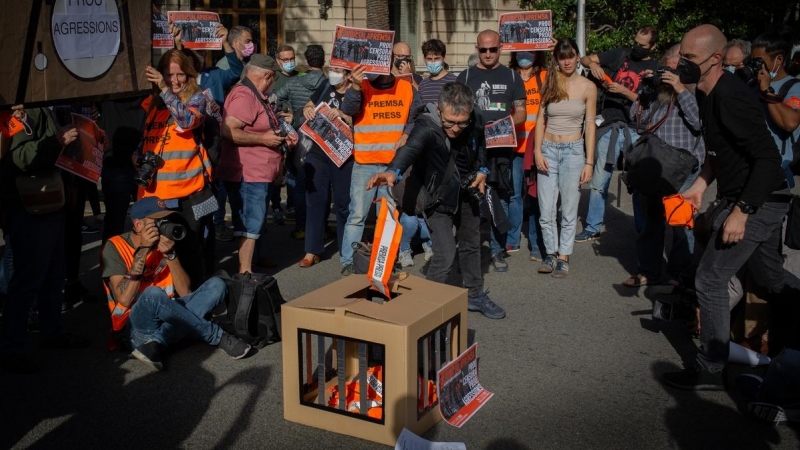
[401, 49]
[488, 48]
[488, 35]
[703, 46]
[707, 37]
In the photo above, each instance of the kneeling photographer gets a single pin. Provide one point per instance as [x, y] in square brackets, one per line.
[670, 112]
[148, 291]
[448, 145]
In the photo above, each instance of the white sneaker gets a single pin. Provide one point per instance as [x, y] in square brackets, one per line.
[405, 259]
[426, 246]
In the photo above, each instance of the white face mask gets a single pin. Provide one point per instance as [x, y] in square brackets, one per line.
[336, 78]
[730, 69]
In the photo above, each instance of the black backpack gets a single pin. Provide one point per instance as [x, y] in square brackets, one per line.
[254, 308]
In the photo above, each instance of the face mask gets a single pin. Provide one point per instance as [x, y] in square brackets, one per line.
[288, 67]
[639, 53]
[773, 73]
[730, 69]
[524, 63]
[688, 71]
[249, 49]
[435, 67]
[335, 78]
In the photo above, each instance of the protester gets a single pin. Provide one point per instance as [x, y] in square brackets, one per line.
[734, 54]
[499, 92]
[151, 304]
[403, 63]
[435, 53]
[218, 81]
[240, 39]
[569, 101]
[450, 134]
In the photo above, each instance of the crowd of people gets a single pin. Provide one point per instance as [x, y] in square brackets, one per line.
[230, 134]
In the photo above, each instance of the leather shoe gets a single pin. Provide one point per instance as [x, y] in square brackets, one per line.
[305, 262]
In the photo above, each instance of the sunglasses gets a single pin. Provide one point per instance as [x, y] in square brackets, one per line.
[488, 49]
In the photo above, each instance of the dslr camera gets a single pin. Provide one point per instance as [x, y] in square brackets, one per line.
[149, 163]
[649, 84]
[750, 70]
[473, 193]
[171, 230]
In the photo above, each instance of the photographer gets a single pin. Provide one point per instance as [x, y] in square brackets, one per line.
[450, 138]
[149, 298]
[171, 162]
[670, 108]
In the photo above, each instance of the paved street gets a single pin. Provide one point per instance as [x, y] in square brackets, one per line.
[574, 365]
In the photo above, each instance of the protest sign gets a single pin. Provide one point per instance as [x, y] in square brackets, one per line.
[198, 29]
[459, 392]
[526, 30]
[335, 138]
[212, 108]
[63, 50]
[384, 247]
[370, 48]
[162, 35]
[501, 133]
[9, 125]
[84, 157]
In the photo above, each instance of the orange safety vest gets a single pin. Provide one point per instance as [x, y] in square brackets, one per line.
[381, 123]
[186, 163]
[156, 273]
[532, 102]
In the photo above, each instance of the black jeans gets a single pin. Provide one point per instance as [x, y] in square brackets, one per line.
[118, 190]
[761, 250]
[467, 221]
[325, 181]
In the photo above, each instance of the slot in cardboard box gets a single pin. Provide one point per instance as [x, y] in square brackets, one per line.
[336, 338]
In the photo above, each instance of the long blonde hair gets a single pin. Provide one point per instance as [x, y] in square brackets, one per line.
[555, 87]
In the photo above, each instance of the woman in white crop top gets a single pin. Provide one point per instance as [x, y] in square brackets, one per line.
[568, 103]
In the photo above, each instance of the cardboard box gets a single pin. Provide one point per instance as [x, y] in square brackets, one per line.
[405, 336]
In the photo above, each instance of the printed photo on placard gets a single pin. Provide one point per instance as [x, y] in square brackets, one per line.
[198, 29]
[162, 36]
[526, 30]
[354, 46]
[501, 133]
[84, 157]
[334, 137]
[459, 392]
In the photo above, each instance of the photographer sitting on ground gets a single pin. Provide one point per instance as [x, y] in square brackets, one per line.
[148, 291]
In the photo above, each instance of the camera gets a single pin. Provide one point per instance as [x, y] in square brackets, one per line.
[750, 70]
[149, 163]
[650, 83]
[171, 230]
[473, 193]
[399, 62]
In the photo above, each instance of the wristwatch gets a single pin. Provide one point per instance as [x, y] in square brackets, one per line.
[745, 208]
[170, 256]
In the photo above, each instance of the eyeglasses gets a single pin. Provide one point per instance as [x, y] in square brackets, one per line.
[460, 125]
[488, 49]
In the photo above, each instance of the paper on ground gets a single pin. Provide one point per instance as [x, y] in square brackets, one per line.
[410, 441]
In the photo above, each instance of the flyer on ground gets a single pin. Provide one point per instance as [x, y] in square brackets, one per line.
[501, 133]
[354, 46]
[198, 29]
[526, 30]
[162, 36]
[384, 247]
[84, 157]
[459, 392]
[335, 138]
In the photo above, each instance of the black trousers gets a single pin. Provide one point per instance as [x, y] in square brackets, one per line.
[467, 221]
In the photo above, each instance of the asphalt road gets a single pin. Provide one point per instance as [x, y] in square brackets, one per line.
[575, 364]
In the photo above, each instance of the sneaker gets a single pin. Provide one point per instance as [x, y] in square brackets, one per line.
[233, 346]
[586, 235]
[548, 265]
[535, 256]
[406, 260]
[299, 234]
[347, 270]
[278, 217]
[768, 412]
[561, 270]
[223, 233]
[150, 354]
[88, 229]
[483, 304]
[499, 263]
[510, 249]
[428, 249]
[695, 380]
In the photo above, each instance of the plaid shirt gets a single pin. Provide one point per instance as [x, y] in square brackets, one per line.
[682, 128]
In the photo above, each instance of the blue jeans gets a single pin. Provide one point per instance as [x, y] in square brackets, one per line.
[249, 206]
[565, 161]
[360, 201]
[412, 224]
[650, 243]
[601, 179]
[6, 266]
[156, 317]
[38, 276]
[535, 241]
[325, 181]
[515, 203]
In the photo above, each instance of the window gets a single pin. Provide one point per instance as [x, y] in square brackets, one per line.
[261, 16]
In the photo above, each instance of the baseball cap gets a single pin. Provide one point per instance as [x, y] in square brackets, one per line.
[152, 207]
[265, 62]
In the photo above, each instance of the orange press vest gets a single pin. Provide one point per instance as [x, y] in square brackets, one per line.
[185, 160]
[156, 273]
[381, 122]
[533, 100]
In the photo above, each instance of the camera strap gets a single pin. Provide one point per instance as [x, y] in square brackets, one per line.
[273, 120]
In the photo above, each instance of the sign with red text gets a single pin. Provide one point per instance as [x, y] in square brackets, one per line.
[84, 157]
[198, 29]
[334, 137]
[526, 30]
[370, 48]
[459, 392]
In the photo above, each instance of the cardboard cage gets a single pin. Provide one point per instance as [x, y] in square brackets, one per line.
[335, 340]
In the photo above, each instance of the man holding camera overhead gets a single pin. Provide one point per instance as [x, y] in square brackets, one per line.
[148, 291]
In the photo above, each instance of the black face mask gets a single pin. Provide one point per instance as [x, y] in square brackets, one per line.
[639, 53]
[689, 71]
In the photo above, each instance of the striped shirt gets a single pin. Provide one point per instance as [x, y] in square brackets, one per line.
[682, 128]
[429, 89]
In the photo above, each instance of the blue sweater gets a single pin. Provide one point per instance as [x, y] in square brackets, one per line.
[219, 80]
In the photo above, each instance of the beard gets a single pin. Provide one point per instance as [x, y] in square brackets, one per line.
[665, 94]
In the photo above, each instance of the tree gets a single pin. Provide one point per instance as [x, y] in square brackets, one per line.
[613, 23]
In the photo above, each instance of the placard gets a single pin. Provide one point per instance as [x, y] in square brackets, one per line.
[370, 48]
[384, 247]
[335, 138]
[526, 30]
[162, 34]
[501, 133]
[84, 157]
[198, 29]
[459, 392]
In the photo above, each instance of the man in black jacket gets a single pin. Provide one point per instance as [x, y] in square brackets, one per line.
[448, 144]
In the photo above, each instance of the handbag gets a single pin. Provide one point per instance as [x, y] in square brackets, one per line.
[41, 192]
[656, 168]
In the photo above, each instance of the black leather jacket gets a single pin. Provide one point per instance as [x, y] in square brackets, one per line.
[428, 149]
